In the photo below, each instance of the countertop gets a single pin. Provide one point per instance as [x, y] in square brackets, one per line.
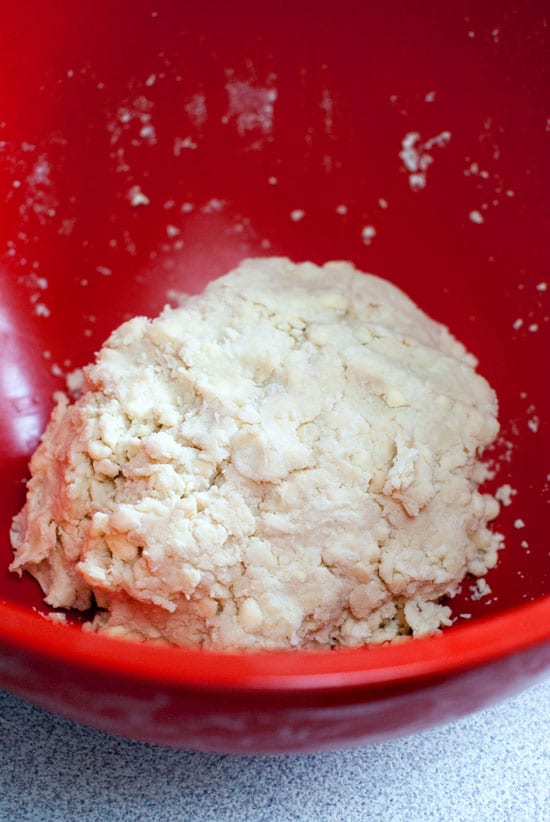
[493, 766]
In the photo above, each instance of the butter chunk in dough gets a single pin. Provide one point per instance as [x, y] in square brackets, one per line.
[289, 459]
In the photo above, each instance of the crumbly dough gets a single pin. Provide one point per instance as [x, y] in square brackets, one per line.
[289, 459]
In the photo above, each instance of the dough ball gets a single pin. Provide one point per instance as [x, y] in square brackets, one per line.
[289, 459]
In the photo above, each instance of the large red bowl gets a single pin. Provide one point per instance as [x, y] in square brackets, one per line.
[150, 147]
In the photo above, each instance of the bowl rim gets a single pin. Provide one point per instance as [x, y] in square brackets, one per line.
[466, 646]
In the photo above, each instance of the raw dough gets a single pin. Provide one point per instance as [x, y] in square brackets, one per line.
[288, 459]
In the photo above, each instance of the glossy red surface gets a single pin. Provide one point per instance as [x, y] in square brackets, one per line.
[150, 147]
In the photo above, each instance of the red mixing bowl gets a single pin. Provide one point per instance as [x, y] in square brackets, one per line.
[146, 147]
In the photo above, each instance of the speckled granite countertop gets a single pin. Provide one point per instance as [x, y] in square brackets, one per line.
[490, 767]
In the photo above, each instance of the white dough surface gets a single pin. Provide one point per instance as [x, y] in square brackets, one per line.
[289, 459]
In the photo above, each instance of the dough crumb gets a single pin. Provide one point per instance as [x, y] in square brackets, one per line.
[56, 616]
[289, 459]
[480, 589]
[75, 382]
[505, 493]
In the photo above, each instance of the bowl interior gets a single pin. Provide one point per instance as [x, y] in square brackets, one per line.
[144, 151]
